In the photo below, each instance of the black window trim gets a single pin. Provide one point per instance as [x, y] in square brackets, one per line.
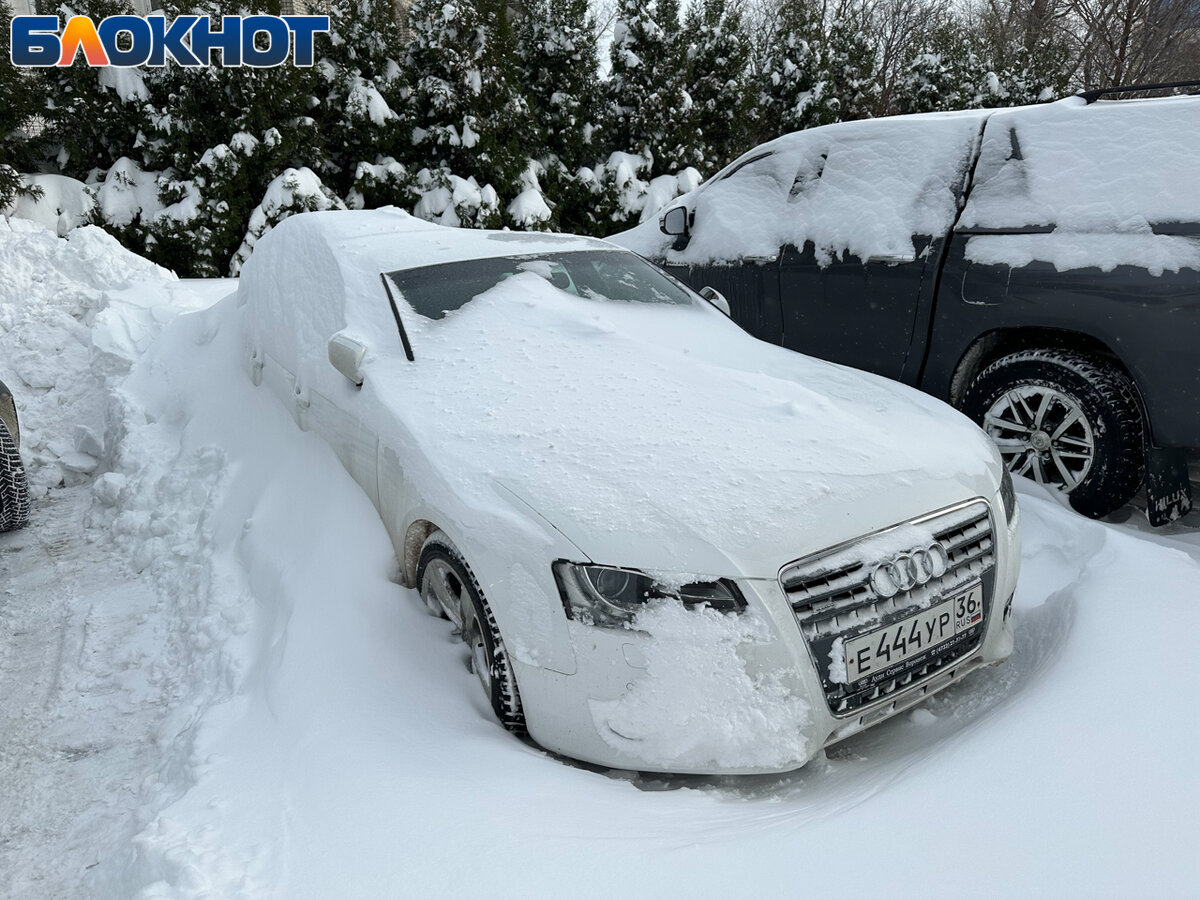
[396, 312]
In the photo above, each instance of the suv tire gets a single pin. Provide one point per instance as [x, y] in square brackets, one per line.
[1065, 419]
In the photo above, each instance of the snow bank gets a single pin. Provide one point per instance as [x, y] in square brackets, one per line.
[55, 346]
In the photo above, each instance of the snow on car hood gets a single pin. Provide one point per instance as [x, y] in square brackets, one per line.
[651, 434]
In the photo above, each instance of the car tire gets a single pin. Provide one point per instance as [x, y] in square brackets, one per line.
[1065, 419]
[14, 489]
[445, 580]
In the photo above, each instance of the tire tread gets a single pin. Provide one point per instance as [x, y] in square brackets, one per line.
[1116, 477]
[507, 702]
[14, 487]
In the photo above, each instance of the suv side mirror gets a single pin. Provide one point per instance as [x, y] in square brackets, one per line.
[346, 355]
[716, 298]
[674, 221]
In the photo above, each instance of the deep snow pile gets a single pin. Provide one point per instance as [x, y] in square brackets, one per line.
[305, 729]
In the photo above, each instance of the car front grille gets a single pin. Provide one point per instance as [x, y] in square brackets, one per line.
[833, 597]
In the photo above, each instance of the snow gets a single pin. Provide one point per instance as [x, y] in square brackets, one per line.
[1157, 253]
[126, 81]
[695, 676]
[294, 190]
[65, 203]
[1070, 172]
[128, 192]
[1105, 212]
[863, 188]
[210, 684]
[365, 101]
[767, 413]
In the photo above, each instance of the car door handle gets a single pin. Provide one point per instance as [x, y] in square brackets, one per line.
[892, 259]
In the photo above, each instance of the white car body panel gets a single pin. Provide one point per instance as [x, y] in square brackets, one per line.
[756, 457]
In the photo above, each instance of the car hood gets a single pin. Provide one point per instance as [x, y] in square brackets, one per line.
[664, 437]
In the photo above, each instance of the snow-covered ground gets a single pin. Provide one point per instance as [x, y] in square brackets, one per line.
[211, 685]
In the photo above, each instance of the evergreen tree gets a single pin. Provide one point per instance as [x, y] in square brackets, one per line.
[559, 71]
[648, 106]
[362, 99]
[847, 68]
[941, 75]
[717, 57]
[469, 117]
[22, 103]
[793, 94]
[957, 68]
[93, 116]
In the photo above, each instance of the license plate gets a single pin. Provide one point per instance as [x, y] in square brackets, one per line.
[886, 651]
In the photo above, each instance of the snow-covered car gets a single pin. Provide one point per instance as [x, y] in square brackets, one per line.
[669, 546]
[14, 491]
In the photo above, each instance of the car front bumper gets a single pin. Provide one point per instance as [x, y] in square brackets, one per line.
[694, 691]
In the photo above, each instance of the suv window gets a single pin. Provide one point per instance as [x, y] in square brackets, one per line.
[863, 188]
[1111, 166]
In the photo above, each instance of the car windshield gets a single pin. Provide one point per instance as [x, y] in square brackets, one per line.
[613, 275]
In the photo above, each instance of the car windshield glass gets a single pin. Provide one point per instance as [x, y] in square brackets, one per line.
[612, 275]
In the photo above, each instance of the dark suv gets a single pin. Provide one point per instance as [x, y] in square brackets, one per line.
[1038, 268]
[14, 493]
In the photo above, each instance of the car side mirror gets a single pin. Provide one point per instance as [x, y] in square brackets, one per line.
[716, 298]
[674, 221]
[346, 355]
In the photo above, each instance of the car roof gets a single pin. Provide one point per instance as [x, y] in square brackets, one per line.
[389, 239]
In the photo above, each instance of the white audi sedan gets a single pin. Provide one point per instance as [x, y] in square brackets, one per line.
[667, 545]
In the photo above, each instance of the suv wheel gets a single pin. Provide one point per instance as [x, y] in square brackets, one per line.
[1064, 419]
[14, 489]
[447, 584]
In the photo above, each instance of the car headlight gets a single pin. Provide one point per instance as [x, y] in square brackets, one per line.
[610, 597]
[1008, 496]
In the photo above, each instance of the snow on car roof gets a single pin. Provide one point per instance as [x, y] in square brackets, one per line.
[389, 239]
[335, 258]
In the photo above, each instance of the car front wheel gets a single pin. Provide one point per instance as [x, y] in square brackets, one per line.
[1064, 419]
[449, 587]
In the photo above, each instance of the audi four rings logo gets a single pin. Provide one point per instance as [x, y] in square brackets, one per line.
[906, 571]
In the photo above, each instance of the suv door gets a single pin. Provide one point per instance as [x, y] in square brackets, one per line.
[871, 220]
[857, 312]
